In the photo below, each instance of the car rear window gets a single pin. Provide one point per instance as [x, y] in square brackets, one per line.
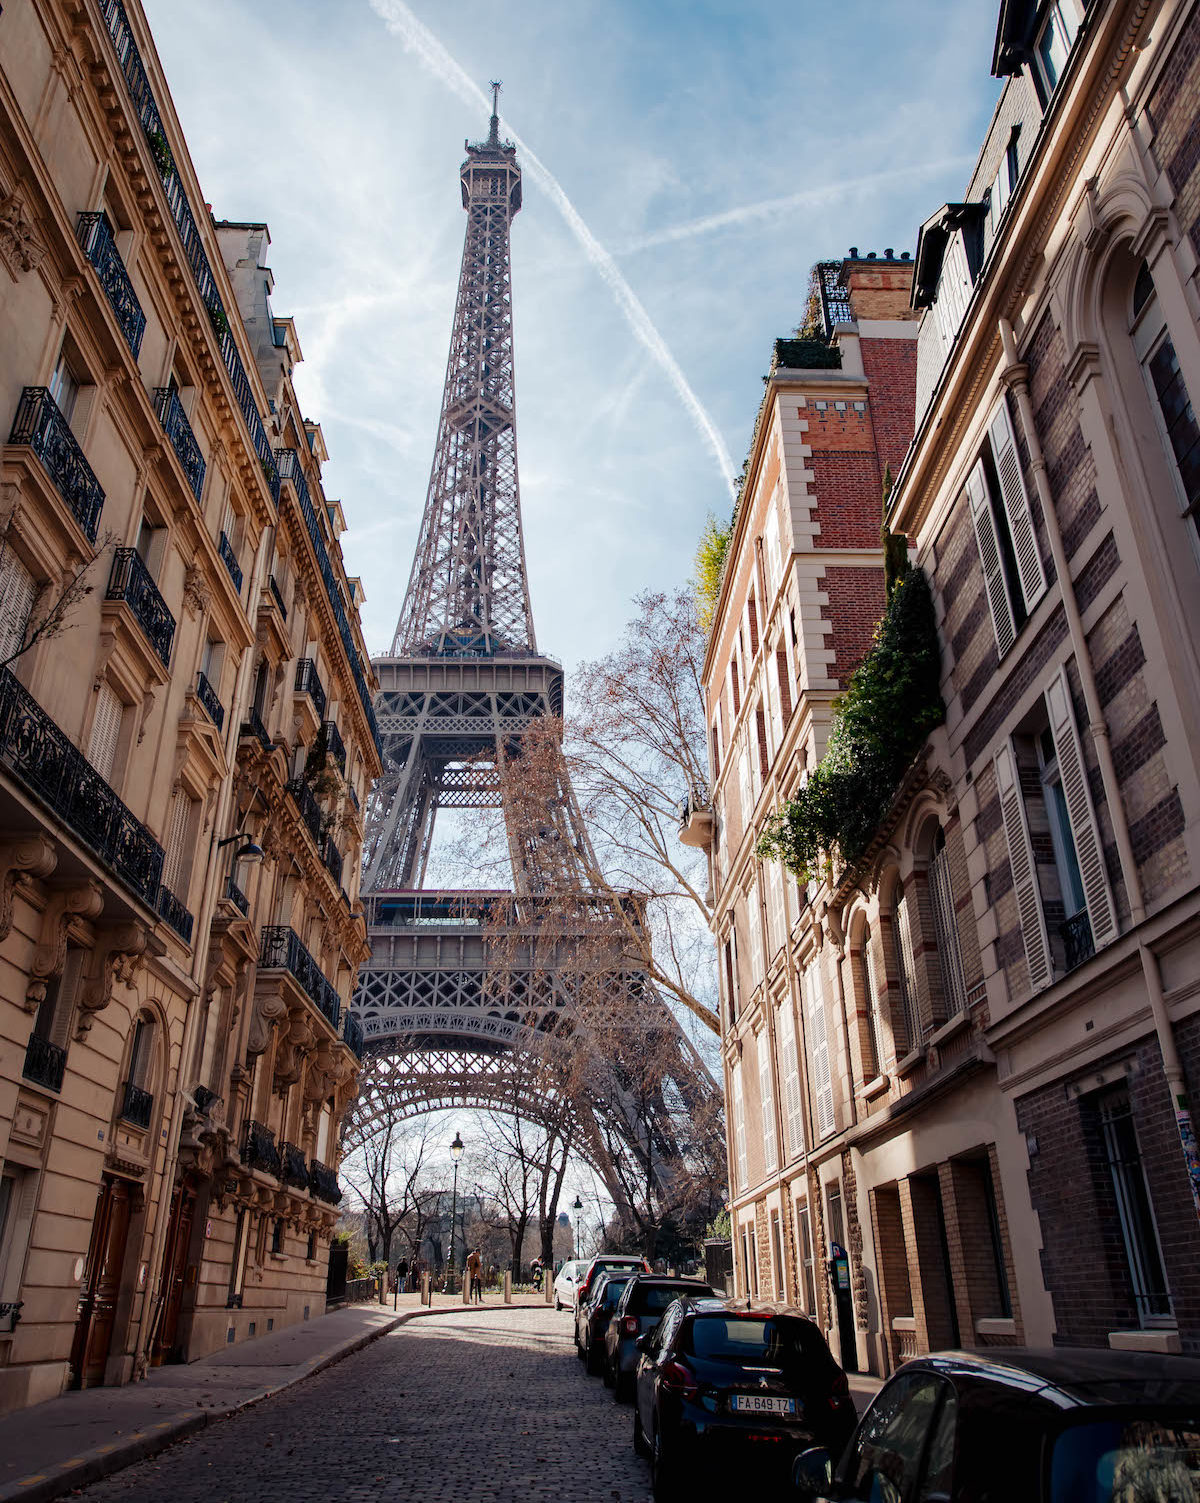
[612, 1291]
[1126, 1461]
[755, 1341]
[653, 1300]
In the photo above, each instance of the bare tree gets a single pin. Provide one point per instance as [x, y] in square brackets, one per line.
[386, 1175]
[47, 617]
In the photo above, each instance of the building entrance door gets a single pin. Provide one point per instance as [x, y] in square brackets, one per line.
[101, 1283]
[175, 1267]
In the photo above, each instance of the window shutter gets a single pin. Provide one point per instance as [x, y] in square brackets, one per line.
[754, 924]
[106, 728]
[818, 1043]
[1016, 506]
[989, 553]
[945, 921]
[1085, 831]
[793, 1106]
[766, 1096]
[1024, 869]
[176, 843]
[908, 973]
[874, 1021]
[744, 783]
[17, 590]
[739, 1127]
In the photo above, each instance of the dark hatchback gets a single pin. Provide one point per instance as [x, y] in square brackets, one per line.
[593, 1315]
[1071, 1425]
[717, 1382]
[644, 1301]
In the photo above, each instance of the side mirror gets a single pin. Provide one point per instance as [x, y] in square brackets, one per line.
[812, 1472]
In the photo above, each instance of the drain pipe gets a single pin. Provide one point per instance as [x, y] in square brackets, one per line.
[1016, 378]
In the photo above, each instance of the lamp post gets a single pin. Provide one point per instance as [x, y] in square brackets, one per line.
[578, 1209]
[248, 850]
[456, 1153]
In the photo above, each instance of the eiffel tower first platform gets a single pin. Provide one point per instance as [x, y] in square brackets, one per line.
[463, 684]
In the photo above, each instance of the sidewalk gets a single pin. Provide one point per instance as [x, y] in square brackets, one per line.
[79, 1437]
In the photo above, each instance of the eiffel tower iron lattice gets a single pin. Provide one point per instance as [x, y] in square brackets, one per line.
[465, 989]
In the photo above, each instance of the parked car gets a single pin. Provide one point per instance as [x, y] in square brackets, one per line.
[643, 1303]
[1072, 1425]
[626, 1262]
[567, 1282]
[593, 1315]
[719, 1382]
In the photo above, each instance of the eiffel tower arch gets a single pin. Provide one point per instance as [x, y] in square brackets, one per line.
[471, 998]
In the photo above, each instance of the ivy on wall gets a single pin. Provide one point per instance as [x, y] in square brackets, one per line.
[710, 564]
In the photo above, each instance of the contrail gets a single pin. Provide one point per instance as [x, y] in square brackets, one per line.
[768, 208]
[417, 37]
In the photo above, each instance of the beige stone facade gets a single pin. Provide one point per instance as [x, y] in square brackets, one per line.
[971, 1058]
[184, 750]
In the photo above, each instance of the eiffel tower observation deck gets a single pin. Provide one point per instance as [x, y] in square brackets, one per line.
[467, 1000]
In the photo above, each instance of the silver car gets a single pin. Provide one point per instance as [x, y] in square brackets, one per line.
[643, 1303]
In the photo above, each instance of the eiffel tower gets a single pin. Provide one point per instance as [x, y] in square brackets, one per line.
[449, 1018]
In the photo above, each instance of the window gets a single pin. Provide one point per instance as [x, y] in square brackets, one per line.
[1069, 880]
[906, 971]
[731, 995]
[1139, 1234]
[64, 387]
[954, 288]
[106, 730]
[237, 1268]
[772, 548]
[17, 592]
[1054, 42]
[945, 926]
[820, 1072]
[1004, 183]
[141, 1054]
[777, 1255]
[1014, 578]
[752, 619]
[776, 917]
[806, 1258]
[744, 794]
[789, 1063]
[754, 926]
[873, 1054]
[766, 1099]
[884, 1460]
[739, 1128]
[151, 542]
[1172, 404]
[277, 1235]
[177, 862]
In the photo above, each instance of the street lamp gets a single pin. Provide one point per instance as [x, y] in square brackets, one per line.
[457, 1149]
[578, 1209]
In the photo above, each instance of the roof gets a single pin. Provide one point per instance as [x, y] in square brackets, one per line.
[1066, 1378]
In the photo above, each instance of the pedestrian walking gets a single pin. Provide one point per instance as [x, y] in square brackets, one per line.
[401, 1274]
[474, 1273]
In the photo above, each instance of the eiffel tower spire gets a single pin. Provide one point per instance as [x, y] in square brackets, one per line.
[468, 595]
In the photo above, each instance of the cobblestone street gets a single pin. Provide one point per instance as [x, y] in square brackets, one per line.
[452, 1408]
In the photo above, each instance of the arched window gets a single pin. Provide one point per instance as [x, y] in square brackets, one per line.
[945, 923]
[137, 1099]
[906, 970]
[1172, 405]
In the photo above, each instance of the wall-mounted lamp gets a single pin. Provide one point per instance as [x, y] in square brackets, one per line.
[249, 850]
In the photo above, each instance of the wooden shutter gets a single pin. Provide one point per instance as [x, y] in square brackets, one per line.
[907, 967]
[873, 1019]
[945, 922]
[1085, 831]
[17, 590]
[790, 1065]
[1024, 869]
[818, 1047]
[1016, 507]
[176, 843]
[106, 729]
[989, 553]
[754, 925]
[766, 1097]
[739, 1127]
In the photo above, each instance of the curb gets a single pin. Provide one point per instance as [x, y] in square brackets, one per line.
[139, 1445]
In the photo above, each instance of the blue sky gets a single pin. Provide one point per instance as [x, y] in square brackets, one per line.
[713, 150]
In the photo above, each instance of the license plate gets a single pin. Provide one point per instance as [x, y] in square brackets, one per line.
[757, 1403]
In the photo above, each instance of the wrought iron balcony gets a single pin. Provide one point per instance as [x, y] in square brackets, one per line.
[353, 797]
[282, 951]
[295, 1167]
[44, 1063]
[695, 817]
[130, 581]
[1076, 935]
[207, 696]
[322, 1182]
[36, 752]
[39, 424]
[332, 858]
[835, 298]
[310, 811]
[253, 726]
[101, 250]
[229, 558]
[238, 898]
[308, 683]
[177, 428]
[172, 911]
[136, 1105]
[335, 747]
[258, 1148]
[352, 1032]
[278, 594]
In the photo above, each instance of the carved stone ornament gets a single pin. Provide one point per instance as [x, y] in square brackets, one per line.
[115, 962]
[943, 786]
[197, 595]
[267, 1008]
[20, 860]
[50, 954]
[21, 250]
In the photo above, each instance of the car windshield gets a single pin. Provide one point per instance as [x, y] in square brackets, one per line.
[653, 1301]
[1143, 1460]
[748, 1339]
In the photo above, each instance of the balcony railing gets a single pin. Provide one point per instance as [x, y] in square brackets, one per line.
[835, 298]
[334, 745]
[295, 1167]
[352, 1032]
[1076, 935]
[172, 911]
[282, 951]
[136, 1105]
[309, 809]
[353, 797]
[695, 801]
[37, 753]
[177, 428]
[322, 1182]
[44, 1063]
[207, 696]
[308, 683]
[130, 581]
[258, 1148]
[237, 897]
[39, 424]
[129, 61]
[273, 583]
[101, 250]
[253, 726]
[229, 558]
[333, 860]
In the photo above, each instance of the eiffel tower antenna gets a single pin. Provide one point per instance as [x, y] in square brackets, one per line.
[494, 130]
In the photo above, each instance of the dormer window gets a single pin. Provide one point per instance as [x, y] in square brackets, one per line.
[1054, 42]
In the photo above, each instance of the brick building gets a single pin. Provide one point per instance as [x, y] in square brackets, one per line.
[181, 763]
[982, 1082]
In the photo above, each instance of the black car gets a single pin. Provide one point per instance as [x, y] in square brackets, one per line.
[593, 1315]
[1072, 1425]
[717, 1381]
[644, 1301]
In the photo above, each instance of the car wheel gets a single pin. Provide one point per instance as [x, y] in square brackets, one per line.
[639, 1435]
[592, 1360]
[664, 1475]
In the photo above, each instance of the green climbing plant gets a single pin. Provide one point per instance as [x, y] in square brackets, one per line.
[710, 563]
[891, 704]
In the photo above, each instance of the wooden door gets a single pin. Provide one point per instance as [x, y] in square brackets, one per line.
[102, 1283]
[175, 1264]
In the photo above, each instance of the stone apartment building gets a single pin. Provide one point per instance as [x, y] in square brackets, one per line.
[987, 1033]
[186, 741]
